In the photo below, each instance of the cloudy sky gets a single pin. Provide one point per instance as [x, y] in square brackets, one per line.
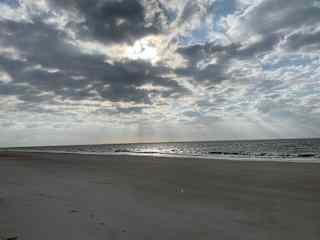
[105, 71]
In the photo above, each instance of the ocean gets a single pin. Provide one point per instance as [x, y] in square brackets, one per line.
[280, 150]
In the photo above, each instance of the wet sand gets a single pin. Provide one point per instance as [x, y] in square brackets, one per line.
[69, 196]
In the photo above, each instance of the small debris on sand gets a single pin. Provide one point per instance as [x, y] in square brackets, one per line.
[9, 238]
[73, 211]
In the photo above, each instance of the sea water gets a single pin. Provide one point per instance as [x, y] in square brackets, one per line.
[280, 149]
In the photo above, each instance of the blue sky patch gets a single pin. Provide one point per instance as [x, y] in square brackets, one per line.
[12, 3]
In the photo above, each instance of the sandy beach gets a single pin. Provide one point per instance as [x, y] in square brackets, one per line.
[69, 196]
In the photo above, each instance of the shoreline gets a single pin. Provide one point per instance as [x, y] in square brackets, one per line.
[179, 156]
[76, 196]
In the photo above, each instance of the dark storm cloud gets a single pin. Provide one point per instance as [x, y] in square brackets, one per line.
[224, 53]
[303, 40]
[51, 67]
[115, 20]
[265, 45]
[197, 52]
[273, 15]
[213, 72]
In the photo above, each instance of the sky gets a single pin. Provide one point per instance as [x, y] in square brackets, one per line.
[115, 71]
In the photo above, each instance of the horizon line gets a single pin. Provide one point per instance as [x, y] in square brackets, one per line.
[161, 142]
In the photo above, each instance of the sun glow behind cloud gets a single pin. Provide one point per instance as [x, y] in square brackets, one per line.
[145, 49]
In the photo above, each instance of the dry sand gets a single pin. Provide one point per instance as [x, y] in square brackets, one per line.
[46, 196]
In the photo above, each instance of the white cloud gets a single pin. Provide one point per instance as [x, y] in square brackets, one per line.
[5, 77]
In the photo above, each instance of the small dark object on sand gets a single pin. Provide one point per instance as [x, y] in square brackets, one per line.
[73, 211]
[12, 238]
[306, 155]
